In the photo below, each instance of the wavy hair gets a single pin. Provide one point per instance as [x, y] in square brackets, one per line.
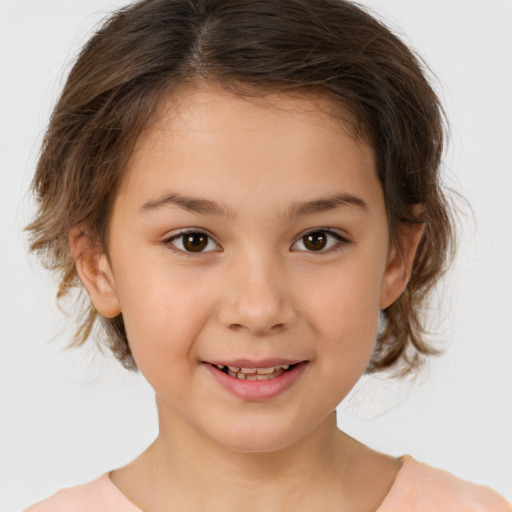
[328, 47]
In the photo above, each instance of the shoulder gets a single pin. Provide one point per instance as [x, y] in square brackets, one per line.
[100, 495]
[82, 498]
[435, 486]
[422, 488]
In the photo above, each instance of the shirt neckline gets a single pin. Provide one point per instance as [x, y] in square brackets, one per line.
[120, 499]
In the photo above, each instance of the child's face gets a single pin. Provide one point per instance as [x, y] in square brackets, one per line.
[286, 262]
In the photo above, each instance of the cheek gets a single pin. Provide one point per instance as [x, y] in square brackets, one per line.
[163, 315]
[349, 336]
[345, 300]
[344, 316]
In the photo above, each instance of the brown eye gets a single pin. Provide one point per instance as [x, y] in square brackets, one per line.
[193, 242]
[320, 240]
[315, 241]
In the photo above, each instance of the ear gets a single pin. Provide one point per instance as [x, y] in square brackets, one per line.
[400, 261]
[95, 273]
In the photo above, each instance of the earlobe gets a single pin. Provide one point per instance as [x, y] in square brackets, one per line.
[94, 271]
[400, 262]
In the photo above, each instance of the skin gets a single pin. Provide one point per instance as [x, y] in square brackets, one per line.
[256, 292]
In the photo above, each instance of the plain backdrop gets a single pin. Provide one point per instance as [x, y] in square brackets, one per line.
[67, 416]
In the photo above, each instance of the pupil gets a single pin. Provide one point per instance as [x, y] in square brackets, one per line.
[195, 242]
[315, 241]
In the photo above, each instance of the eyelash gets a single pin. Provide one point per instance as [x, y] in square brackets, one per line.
[340, 241]
[170, 242]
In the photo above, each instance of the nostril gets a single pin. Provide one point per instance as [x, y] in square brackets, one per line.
[260, 318]
[273, 329]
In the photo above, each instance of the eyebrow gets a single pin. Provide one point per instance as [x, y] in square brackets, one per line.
[191, 204]
[207, 207]
[325, 204]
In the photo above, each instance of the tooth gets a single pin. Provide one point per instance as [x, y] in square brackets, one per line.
[234, 369]
[265, 371]
[285, 367]
[253, 376]
[248, 370]
[240, 376]
[220, 367]
[263, 377]
[233, 374]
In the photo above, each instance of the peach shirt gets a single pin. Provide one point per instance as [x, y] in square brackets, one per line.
[417, 488]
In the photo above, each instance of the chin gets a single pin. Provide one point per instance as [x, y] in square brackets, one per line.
[262, 436]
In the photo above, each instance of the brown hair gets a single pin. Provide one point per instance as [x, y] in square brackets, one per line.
[331, 47]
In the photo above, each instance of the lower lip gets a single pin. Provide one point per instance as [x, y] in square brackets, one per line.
[257, 390]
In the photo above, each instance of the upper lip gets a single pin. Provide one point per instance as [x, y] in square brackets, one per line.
[250, 363]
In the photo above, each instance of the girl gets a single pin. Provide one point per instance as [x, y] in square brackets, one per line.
[244, 189]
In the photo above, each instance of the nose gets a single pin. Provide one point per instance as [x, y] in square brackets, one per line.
[257, 297]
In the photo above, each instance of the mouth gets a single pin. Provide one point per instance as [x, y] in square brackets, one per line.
[260, 373]
[257, 381]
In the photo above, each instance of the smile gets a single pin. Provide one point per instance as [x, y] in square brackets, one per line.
[254, 373]
[257, 381]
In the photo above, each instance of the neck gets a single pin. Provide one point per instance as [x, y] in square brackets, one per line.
[184, 459]
[185, 469]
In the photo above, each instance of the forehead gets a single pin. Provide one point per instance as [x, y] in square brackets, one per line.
[186, 101]
[214, 141]
[199, 109]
